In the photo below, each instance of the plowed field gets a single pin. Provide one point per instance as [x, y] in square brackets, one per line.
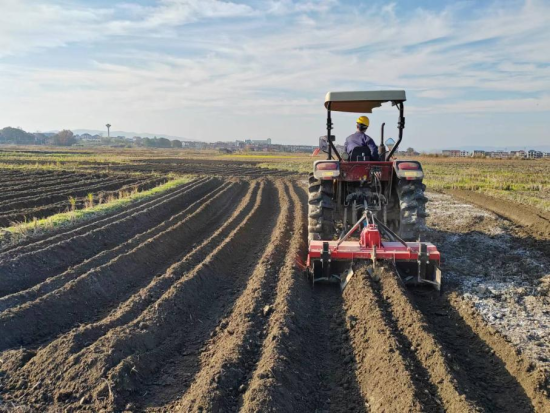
[196, 301]
[37, 194]
[202, 166]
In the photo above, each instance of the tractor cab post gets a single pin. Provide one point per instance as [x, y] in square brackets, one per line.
[363, 102]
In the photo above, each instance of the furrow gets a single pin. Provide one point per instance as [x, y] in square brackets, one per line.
[92, 294]
[487, 368]
[16, 190]
[83, 188]
[35, 245]
[27, 269]
[386, 376]
[62, 354]
[47, 205]
[449, 372]
[301, 366]
[180, 320]
[57, 281]
[234, 350]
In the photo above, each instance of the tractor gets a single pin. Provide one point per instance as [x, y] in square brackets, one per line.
[360, 209]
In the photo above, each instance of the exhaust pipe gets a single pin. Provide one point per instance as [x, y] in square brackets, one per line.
[382, 147]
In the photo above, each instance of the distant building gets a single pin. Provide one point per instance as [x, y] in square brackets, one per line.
[302, 148]
[499, 154]
[193, 144]
[454, 153]
[258, 141]
[518, 154]
[479, 154]
[532, 154]
[86, 137]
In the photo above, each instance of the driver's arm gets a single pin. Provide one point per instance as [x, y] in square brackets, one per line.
[373, 148]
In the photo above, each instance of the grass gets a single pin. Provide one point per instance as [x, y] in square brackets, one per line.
[522, 181]
[19, 231]
[284, 156]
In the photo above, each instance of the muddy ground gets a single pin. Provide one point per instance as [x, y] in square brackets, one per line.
[196, 301]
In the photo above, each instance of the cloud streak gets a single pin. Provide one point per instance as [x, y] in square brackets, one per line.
[192, 57]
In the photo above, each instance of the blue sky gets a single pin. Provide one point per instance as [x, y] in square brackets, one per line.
[475, 72]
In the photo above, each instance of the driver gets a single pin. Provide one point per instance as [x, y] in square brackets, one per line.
[360, 138]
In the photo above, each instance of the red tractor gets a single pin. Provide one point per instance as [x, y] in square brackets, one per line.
[361, 209]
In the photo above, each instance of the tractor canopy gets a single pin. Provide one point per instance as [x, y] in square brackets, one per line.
[362, 102]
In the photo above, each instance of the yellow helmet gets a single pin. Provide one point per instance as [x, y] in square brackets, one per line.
[363, 120]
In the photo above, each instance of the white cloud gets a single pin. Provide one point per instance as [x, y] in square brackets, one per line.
[26, 25]
[437, 94]
[527, 105]
[178, 12]
[279, 60]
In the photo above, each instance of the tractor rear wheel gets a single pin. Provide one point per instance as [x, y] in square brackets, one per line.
[412, 209]
[320, 209]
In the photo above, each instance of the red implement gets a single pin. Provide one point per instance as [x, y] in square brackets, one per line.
[417, 262]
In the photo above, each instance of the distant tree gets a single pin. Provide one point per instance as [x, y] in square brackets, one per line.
[176, 144]
[105, 140]
[64, 138]
[40, 138]
[164, 143]
[148, 142]
[138, 141]
[16, 135]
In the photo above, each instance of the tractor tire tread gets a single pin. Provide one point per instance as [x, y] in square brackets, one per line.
[412, 206]
[320, 209]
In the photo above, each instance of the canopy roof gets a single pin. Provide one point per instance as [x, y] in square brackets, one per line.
[362, 102]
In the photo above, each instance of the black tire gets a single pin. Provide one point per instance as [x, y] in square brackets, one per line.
[412, 209]
[320, 209]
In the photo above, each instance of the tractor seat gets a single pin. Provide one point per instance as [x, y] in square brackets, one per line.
[360, 154]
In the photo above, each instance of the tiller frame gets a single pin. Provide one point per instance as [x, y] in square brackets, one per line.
[326, 256]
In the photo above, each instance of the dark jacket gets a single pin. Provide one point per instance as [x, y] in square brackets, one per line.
[361, 139]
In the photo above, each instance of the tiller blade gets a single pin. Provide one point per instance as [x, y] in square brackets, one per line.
[332, 261]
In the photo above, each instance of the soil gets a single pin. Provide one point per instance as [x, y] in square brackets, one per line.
[535, 221]
[25, 202]
[226, 168]
[197, 301]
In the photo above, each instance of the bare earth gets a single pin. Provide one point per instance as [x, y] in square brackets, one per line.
[493, 268]
[196, 301]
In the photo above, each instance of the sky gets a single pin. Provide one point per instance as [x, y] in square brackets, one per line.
[475, 72]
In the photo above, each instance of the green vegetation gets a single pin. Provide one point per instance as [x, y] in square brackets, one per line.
[64, 138]
[523, 181]
[38, 226]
